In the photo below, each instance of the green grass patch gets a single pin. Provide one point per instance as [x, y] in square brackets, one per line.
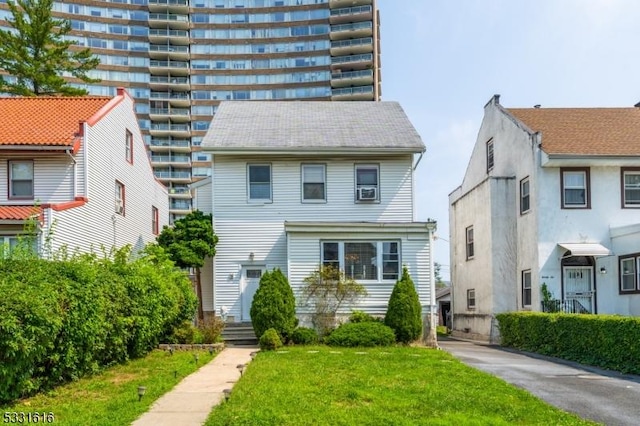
[382, 386]
[111, 397]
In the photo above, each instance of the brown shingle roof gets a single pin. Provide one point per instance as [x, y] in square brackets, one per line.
[584, 131]
[45, 120]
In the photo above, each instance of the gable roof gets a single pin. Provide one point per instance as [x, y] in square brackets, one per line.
[584, 131]
[296, 126]
[45, 121]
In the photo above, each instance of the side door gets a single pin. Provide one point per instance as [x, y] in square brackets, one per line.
[578, 286]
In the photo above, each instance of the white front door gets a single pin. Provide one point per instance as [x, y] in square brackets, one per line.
[578, 286]
[248, 286]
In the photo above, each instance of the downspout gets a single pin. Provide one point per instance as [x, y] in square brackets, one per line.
[74, 177]
[85, 156]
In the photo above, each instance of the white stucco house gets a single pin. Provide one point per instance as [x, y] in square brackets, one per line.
[79, 166]
[550, 198]
[296, 185]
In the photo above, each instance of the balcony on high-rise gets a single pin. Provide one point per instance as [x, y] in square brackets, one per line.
[175, 160]
[351, 14]
[167, 144]
[353, 46]
[176, 99]
[172, 20]
[352, 78]
[165, 128]
[173, 6]
[361, 93]
[352, 30]
[169, 51]
[181, 115]
[165, 82]
[179, 68]
[352, 62]
[336, 4]
[173, 176]
[163, 35]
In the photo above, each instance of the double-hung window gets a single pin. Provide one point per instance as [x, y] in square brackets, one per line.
[367, 182]
[21, 179]
[155, 221]
[630, 273]
[471, 299]
[259, 182]
[469, 244]
[525, 196]
[630, 187]
[526, 288]
[364, 260]
[314, 183]
[575, 188]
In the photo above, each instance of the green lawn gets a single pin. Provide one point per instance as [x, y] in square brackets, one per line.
[111, 398]
[384, 386]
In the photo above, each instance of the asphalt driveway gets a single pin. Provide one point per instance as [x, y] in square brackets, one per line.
[591, 393]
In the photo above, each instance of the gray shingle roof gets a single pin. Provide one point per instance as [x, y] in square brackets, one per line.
[311, 126]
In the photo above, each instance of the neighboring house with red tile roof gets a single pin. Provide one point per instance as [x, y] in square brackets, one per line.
[79, 167]
[551, 197]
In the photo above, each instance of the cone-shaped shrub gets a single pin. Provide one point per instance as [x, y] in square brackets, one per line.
[404, 314]
[274, 305]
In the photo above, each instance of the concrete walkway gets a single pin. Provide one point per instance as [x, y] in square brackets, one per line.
[591, 393]
[191, 401]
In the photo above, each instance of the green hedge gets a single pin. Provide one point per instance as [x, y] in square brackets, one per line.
[606, 341]
[365, 334]
[65, 318]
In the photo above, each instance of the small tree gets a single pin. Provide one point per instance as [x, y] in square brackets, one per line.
[37, 55]
[189, 242]
[273, 305]
[404, 314]
[328, 289]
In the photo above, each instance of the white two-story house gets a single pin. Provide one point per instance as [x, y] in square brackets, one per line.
[296, 185]
[550, 200]
[79, 167]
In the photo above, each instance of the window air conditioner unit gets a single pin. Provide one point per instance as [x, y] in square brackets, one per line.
[367, 193]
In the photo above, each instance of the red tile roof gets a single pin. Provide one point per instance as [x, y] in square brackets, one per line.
[45, 121]
[584, 131]
[18, 212]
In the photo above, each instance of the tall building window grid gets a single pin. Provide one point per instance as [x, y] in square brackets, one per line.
[134, 55]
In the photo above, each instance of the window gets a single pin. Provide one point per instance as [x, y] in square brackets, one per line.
[630, 274]
[630, 187]
[259, 182]
[364, 260]
[119, 204]
[471, 298]
[21, 179]
[367, 183]
[469, 242]
[526, 288]
[525, 197]
[313, 182]
[490, 161]
[129, 146]
[575, 188]
[155, 221]
[8, 244]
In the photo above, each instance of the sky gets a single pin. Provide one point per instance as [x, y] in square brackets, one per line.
[443, 60]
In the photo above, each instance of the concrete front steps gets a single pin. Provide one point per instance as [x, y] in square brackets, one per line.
[239, 334]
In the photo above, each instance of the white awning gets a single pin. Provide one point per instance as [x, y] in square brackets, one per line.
[585, 249]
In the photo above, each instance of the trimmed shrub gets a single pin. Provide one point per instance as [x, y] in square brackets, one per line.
[404, 314]
[360, 316]
[270, 340]
[304, 336]
[185, 333]
[367, 334]
[211, 330]
[60, 320]
[607, 341]
[274, 305]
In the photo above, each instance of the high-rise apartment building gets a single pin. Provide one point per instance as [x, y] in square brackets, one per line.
[180, 58]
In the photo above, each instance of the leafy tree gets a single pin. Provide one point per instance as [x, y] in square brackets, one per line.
[404, 314]
[273, 305]
[35, 53]
[328, 289]
[437, 268]
[189, 242]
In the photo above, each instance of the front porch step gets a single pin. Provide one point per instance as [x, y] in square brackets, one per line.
[239, 334]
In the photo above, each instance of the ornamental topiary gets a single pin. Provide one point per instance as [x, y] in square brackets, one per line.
[366, 334]
[404, 314]
[274, 305]
[270, 340]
